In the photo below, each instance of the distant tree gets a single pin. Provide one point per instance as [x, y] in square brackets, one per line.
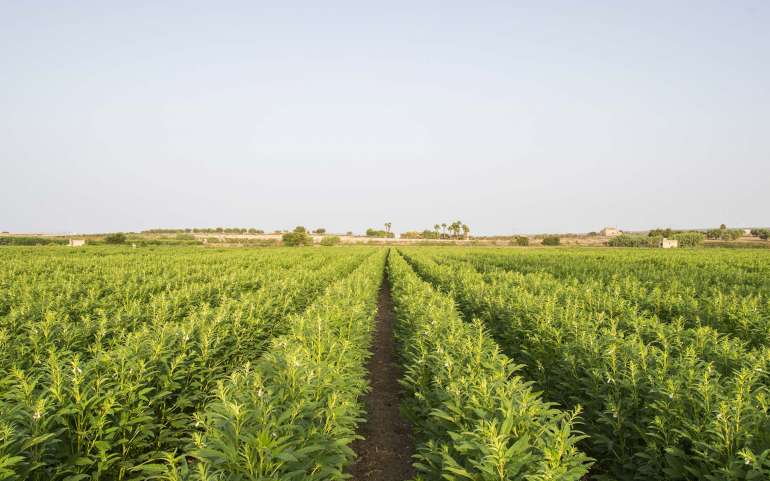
[350, 232]
[722, 226]
[330, 240]
[689, 239]
[714, 234]
[443, 227]
[667, 232]
[297, 238]
[521, 240]
[430, 234]
[116, 238]
[436, 228]
[378, 233]
[300, 228]
[320, 230]
[466, 230]
[551, 240]
[388, 226]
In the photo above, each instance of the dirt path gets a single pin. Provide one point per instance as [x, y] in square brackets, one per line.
[385, 453]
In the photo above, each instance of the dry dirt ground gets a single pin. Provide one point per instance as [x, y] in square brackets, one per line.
[386, 450]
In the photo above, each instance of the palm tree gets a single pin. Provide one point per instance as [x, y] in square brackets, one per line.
[455, 228]
[436, 228]
[466, 230]
[443, 227]
[387, 226]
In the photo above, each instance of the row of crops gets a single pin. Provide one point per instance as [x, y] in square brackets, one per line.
[669, 368]
[250, 364]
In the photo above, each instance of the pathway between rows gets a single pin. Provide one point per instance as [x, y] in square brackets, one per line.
[385, 453]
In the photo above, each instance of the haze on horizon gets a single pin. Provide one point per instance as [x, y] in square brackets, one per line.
[510, 116]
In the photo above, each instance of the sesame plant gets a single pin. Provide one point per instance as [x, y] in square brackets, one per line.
[100, 415]
[477, 418]
[293, 413]
[660, 400]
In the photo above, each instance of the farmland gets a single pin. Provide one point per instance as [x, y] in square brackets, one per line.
[514, 363]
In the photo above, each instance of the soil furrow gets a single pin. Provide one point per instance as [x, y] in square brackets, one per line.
[385, 453]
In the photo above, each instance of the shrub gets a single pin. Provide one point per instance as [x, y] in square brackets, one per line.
[689, 239]
[629, 240]
[300, 228]
[731, 234]
[668, 233]
[551, 240]
[115, 238]
[520, 240]
[714, 234]
[320, 230]
[294, 239]
[30, 241]
[379, 233]
[330, 240]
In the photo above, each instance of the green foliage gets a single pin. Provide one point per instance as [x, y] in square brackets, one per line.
[631, 240]
[330, 240]
[474, 417]
[689, 239]
[102, 387]
[724, 234]
[30, 241]
[320, 230]
[300, 229]
[520, 240]
[379, 233]
[297, 238]
[763, 234]
[293, 414]
[115, 238]
[551, 241]
[665, 396]
[667, 233]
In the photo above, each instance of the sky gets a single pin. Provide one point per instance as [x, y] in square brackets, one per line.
[513, 117]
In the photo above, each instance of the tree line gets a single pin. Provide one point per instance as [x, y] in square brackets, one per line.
[444, 230]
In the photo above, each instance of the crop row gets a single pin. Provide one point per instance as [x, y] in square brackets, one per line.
[74, 303]
[476, 418]
[653, 408]
[102, 416]
[293, 413]
[690, 293]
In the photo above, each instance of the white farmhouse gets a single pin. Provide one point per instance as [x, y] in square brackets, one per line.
[669, 243]
[77, 242]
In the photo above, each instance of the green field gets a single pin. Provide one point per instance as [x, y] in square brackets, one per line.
[517, 363]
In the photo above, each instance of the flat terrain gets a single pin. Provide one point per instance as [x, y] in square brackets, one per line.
[268, 363]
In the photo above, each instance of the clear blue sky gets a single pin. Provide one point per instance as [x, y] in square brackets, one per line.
[510, 116]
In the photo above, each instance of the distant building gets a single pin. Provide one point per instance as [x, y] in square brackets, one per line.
[77, 242]
[669, 243]
[610, 232]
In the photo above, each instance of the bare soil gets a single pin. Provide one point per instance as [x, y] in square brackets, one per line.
[385, 453]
